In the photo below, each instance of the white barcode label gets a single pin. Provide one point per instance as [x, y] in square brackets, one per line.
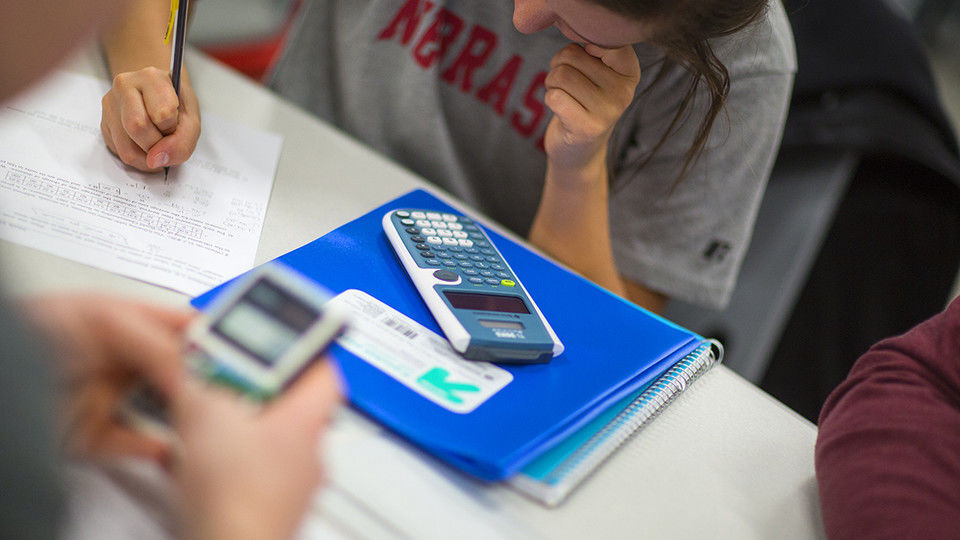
[407, 332]
[416, 356]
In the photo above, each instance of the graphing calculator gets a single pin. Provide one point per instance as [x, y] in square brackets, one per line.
[255, 338]
[474, 295]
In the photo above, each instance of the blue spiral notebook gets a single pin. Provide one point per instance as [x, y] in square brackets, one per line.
[487, 420]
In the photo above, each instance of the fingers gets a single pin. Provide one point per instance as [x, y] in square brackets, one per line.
[622, 60]
[574, 83]
[146, 124]
[122, 441]
[161, 102]
[570, 112]
[605, 67]
[195, 402]
[594, 78]
[135, 117]
[176, 320]
[310, 402]
[145, 340]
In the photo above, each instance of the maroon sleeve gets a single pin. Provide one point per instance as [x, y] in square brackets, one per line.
[888, 450]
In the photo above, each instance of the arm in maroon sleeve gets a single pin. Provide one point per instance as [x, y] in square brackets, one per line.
[888, 451]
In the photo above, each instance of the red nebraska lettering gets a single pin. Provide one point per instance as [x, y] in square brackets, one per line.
[409, 15]
[479, 47]
[533, 105]
[501, 84]
[434, 44]
[435, 41]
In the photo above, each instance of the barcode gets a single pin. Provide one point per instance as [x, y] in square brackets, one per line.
[399, 327]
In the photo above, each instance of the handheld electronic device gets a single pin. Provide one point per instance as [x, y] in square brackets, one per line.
[474, 295]
[256, 337]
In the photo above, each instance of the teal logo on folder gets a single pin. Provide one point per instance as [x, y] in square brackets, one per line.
[436, 381]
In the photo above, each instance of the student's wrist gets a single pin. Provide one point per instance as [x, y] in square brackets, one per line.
[588, 174]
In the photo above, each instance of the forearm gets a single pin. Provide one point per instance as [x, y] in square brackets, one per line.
[887, 455]
[136, 41]
[572, 222]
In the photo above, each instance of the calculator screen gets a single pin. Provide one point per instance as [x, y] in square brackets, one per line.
[487, 302]
[265, 322]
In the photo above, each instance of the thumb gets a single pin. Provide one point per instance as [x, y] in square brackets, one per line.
[311, 401]
[176, 148]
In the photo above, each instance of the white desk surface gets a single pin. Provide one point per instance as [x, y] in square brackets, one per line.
[724, 460]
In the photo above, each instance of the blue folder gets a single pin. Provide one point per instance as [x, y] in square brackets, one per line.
[613, 348]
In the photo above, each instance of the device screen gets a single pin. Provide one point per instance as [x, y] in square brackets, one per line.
[265, 321]
[486, 302]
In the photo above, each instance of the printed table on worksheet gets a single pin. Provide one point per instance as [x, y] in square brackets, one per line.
[62, 191]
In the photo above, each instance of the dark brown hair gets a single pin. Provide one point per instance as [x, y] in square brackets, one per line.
[681, 29]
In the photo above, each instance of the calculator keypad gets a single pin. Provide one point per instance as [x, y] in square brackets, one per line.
[453, 243]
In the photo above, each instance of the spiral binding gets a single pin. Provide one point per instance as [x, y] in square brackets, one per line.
[644, 408]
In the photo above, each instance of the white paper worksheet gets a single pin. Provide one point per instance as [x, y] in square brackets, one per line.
[62, 191]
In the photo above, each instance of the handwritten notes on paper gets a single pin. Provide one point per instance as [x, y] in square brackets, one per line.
[62, 191]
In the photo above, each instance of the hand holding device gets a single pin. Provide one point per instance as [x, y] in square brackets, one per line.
[105, 344]
[255, 339]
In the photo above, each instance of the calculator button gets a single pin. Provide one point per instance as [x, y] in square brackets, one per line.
[469, 272]
[487, 251]
[450, 242]
[481, 265]
[476, 258]
[466, 264]
[428, 231]
[417, 238]
[418, 215]
[423, 246]
[454, 226]
[449, 217]
[459, 234]
[503, 275]
[423, 223]
[496, 266]
[445, 233]
[403, 213]
[439, 224]
[491, 281]
[487, 273]
[449, 263]
[434, 240]
[427, 254]
[508, 283]
[455, 248]
[471, 250]
[444, 255]
[407, 222]
[483, 244]
[446, 275]
[493, 259]
[433, 215]
[465, 243]
[433, 262]
[460, 256]
[471, 227]
[412, 230]
[476, 236]
[476, 280]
